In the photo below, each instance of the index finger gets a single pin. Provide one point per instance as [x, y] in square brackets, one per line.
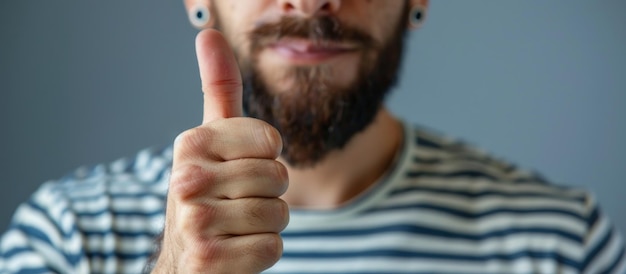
[220, 76]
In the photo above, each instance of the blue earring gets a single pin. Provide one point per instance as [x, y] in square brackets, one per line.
[416, 16]
[199, 16]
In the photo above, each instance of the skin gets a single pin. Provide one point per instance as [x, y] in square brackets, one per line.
[228, 197]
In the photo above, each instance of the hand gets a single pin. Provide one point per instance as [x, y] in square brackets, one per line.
[223, 212]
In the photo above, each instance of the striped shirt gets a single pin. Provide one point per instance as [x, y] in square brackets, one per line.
[444, 207]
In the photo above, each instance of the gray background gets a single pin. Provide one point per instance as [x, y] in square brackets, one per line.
[541, 83]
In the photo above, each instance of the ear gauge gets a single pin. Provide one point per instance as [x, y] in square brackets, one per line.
[199, 16]
[416, 16]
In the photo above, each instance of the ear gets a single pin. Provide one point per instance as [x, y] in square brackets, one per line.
[200, 7]
[414, 6]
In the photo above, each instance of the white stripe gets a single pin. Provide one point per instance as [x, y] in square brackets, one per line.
[55, 206]
[112, 265]
[109, 243]
[119, 204]
[105, 222]
[28, 216]
[475, 185]
[24, 260]
[53, 256]
[485, 203]
[621, 266]
[457, 165]
[385, 265]
[12, 239]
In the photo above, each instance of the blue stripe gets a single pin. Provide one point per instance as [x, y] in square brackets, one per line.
[7, 255]
[36, 270]
[74, 229]
[121, 235]
[430, 161]
[15, 251]
[536, 179]
[421, 141]
[35, 233]
[160, 176]
[74, 259]
[503, 166]
[465, 174]
[121, 195]
[593, 217]
[130, 235]
[485, 159]
[478, 215]
[466, 193]
[114, 214]
[471, 174]
[31, 203]
[594, 251]
[120, 255]
[431, 232]
[403, 254]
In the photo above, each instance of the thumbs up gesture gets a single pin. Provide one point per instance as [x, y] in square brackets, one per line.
[223, 212]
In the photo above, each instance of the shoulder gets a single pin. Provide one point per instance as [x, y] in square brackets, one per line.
[471, 193]
[490, 196]
[447, 165]
[125, 197]
[97, 216]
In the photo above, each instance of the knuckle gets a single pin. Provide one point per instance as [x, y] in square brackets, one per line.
[271, 170]
[205, 253]
[256, 211]
[284, 215]
[227, 83]
[193, 141]
[273, 248]
[281, 175]
[267, 250]
[272, 141]
[190, 181]
[272, 213]
[192, 222]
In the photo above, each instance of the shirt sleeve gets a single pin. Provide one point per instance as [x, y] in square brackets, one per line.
[42, 237]
[603, 244]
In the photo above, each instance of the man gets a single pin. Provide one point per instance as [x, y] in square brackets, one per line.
[323, 179]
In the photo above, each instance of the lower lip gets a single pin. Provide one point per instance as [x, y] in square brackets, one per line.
[308, 57]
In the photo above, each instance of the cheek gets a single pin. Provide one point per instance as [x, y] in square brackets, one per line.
[237, 19]
[384, 19]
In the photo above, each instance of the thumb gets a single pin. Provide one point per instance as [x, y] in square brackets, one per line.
[220, 76]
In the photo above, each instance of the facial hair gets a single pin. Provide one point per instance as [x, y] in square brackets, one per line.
[315, 117]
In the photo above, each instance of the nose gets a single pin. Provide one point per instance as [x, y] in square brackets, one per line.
[309, 8]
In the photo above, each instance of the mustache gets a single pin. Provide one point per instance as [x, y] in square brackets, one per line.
[316, 29]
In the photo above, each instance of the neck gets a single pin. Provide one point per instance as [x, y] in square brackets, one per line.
[344, 174]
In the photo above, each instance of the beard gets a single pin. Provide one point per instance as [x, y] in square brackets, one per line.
[314, 116]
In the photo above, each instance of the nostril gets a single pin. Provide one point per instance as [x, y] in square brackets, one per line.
[288, 7]
[326, 7]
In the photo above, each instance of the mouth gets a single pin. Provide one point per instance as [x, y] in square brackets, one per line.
[307, 52]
